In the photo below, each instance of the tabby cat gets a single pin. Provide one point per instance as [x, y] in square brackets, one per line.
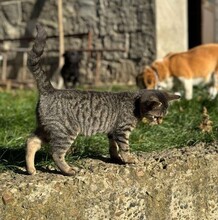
[64, 114]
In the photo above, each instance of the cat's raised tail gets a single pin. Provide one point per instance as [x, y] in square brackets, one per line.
[34, 58]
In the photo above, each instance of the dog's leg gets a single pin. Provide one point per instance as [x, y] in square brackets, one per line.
[216, 83]
[214, 89]
[188, 86]
[170, 83]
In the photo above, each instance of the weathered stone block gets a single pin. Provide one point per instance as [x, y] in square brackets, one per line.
[172, 184]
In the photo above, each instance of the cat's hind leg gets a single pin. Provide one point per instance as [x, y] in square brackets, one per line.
[33, 145]
[60, 146]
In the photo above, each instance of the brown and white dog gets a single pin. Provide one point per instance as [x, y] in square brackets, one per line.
[193, 67]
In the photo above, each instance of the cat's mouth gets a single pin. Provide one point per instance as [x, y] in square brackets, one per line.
[153, 120]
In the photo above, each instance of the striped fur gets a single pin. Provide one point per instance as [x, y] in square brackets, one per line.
[64, 114]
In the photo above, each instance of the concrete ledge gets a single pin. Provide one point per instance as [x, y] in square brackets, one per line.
[172, 184]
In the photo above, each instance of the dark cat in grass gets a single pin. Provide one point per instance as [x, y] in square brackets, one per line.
[64, 114]
[70, 69]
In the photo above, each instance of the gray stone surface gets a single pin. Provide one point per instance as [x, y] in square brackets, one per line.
[169, 185]
[115, 24]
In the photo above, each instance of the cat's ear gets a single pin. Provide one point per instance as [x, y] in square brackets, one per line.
[171, 97]
[149, 105]
[146, 104]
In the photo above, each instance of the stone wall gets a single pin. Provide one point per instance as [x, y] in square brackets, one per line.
[115, 24]
[175, 184]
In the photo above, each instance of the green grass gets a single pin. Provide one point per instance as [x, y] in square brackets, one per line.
[180, 128]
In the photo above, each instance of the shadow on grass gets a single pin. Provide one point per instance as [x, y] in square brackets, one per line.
[14, 159]
[210, 104]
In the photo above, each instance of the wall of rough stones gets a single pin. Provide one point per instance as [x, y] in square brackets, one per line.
[175, 184]
[115, 24]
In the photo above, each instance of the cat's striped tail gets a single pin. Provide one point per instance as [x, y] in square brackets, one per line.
[34, 58]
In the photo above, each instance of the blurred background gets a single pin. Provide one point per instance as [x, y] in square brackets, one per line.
[113, 38]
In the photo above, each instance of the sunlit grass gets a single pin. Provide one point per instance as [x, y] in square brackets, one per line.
[180, 128]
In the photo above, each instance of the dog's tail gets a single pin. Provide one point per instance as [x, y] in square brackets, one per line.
[34, 58]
